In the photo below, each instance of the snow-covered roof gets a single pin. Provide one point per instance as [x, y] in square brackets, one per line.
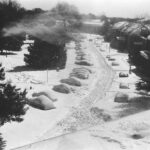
[93, 22]
[145, 54]
[120, 25]
[132, 28]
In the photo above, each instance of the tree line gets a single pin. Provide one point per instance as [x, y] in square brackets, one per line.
[42, 54]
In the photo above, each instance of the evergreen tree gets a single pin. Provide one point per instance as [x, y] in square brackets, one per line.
[2, 143]
[10, 12]
[45, 55]
[2, 72]
[11, 43]
[12, 104]
[105, 28]
[12, 101]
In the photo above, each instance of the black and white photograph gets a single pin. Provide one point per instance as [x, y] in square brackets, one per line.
[74, 75]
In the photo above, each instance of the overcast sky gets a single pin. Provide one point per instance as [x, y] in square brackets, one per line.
[124, 8]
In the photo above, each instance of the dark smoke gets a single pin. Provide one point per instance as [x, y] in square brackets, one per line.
[43, 27]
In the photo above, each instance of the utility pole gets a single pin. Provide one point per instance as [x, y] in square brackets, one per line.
[129, 68]
[109, 48]
[47, 75]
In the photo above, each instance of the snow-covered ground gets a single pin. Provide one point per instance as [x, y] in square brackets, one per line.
[39, 124]
[88, 118]
[116, 126]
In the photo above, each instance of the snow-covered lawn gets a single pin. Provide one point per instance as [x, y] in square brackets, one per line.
[37, 122]
[129, 124]
[116, 126]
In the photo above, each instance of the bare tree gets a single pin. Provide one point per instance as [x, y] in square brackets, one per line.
[66, 12]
